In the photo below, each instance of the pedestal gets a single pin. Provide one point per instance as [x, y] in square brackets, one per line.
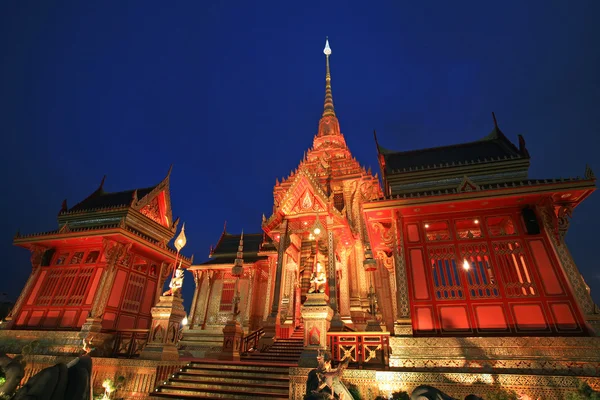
[374, 325]
[164, 334]
[232, 341]
[403, 327]
[317, 316]
[91, 325]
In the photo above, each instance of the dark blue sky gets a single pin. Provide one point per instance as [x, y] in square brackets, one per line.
[231, 94]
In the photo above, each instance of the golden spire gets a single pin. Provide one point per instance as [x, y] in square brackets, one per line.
[328, 109]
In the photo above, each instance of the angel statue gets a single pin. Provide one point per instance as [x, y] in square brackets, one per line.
[325, 380]
[175, 284]
[318, 280]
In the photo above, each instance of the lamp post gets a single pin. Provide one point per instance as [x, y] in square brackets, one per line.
[370, 265]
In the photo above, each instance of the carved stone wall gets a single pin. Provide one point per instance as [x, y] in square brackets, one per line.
[537, 355]
[372, 383]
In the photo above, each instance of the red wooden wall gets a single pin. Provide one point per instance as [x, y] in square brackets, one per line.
[64, 292]
[480, 273]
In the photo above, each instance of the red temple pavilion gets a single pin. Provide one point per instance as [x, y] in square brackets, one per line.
[451, 270]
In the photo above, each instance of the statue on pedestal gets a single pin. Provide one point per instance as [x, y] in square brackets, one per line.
[175, 284]
[325, 381]
[318, 280]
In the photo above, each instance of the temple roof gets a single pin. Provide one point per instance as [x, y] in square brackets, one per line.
[226, 250]
[526, 184]
[102, 199]
[493, 146]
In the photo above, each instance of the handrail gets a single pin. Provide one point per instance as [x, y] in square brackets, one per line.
[250, 342]
[371, 348]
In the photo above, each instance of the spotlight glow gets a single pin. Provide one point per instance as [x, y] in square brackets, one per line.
[466, 265]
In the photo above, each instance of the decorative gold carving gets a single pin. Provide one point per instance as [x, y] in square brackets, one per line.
[152, 210]
[307, 201]
[403, 305]
[344, 283]
[331, 275]
[115, 252]
[270, 273]
[37, 254]
[578, 286]
[388, 261]
[283, 244]
[564, 215]
[385, 233]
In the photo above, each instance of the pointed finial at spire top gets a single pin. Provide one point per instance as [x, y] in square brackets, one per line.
[328, 109]
[327, 49]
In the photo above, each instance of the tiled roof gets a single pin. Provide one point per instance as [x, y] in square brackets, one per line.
[493, 146]
[231, 259]
[226, 250]
[101, 199]
[492, 186]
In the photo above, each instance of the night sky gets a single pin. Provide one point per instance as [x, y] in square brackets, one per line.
[231, 93]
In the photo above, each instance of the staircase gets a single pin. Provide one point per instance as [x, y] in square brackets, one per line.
[232, 380]
[282, 351]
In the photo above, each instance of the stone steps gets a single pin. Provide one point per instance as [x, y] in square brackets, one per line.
[283, 350]
[232, 380]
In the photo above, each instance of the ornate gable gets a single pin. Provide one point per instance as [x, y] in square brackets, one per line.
[303, 196]
[156, 205]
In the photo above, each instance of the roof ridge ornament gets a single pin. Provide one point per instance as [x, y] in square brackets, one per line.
[101, 187]
[495, 122]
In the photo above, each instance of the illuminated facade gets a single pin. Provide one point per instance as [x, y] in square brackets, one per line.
[453, 273]
[465, 243]
[104, 266]
[459, 258]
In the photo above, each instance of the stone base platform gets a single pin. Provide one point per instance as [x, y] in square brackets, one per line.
[372, 383]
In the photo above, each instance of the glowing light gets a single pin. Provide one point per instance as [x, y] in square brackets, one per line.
[184, 321]
[426, 226]
[466, 265]
[317, 231]
[305, 223]
[476, 221]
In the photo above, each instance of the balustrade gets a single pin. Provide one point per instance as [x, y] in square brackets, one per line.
[250, 342]
[129, 342]
[362, 348]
